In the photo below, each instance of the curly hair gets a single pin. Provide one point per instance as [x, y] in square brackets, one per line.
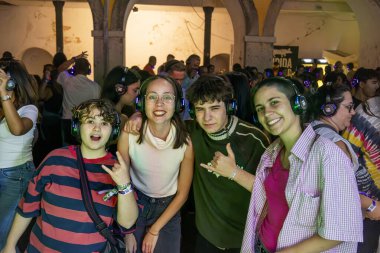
[106, 108]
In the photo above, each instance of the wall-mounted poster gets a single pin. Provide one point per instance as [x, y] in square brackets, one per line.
[286, 56]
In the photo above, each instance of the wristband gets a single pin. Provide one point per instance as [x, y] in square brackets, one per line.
[121, 187]
[124, 189]
[372, 206]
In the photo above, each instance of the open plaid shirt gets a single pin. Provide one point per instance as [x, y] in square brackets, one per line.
[321, 193]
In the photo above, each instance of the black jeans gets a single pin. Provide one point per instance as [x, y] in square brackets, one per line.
[203, 246]
[371, 233]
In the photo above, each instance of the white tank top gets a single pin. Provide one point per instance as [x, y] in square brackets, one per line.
[155, 164]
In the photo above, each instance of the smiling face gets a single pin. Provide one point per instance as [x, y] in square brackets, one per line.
[211, 116]
[275, 113]
[94, 133]
[160, 101]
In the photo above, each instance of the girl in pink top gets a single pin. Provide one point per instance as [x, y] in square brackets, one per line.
[304, 196]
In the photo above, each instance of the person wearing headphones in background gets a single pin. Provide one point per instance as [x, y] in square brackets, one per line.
[366, 84]
[54, 194]
[121, 87]
[304, 197]
[364, 136]
[221, 196]
[334, 110]
[77, 88]
[18, 118]
[161, 162]
[177, 70]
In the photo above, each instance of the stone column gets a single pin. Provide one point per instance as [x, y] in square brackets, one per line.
[58, 4]
[115, 53]
[99, 61]
[116, 41]
[207, 36]
[259, 51]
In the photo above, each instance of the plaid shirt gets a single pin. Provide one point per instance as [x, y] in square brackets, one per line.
[321, 193]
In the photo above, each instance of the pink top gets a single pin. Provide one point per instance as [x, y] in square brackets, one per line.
[278, 208]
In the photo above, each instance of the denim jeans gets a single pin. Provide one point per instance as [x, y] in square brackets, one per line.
[13, 183]
[169, 240]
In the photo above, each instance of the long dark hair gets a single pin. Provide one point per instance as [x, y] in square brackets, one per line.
[182, 134]
[240, 84]
[118, 75]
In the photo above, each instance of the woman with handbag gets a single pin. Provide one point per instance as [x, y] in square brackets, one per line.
[161, 160]
[67, 192]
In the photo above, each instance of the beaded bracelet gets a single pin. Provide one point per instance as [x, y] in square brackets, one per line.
[232, 177]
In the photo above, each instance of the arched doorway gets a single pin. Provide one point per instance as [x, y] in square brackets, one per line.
[35, 58]
[221, 62]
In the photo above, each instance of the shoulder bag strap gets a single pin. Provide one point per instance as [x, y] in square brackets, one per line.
[324, 125]
[88, 202]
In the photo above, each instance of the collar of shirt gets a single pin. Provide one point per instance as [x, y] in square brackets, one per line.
[300, 149]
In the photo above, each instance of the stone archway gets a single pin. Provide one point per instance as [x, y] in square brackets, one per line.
[244, 19]
[221, 62]
[35, 58]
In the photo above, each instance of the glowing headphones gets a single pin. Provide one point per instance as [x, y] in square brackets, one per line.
[75, 122]
[73, 70]
[355, 82]
[179, 101]
[231, 108]
[11, 83]
[329, 108]
[298, 102]
[121, 87]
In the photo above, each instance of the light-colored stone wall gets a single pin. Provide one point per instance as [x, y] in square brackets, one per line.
[24, 27]
[314, 32]
[159, 30]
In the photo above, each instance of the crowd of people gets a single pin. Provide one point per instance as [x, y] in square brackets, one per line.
[270, 161]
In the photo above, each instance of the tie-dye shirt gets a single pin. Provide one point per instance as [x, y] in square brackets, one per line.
[364, 136]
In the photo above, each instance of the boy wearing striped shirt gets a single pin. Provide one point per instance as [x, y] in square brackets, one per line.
[54, 193]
